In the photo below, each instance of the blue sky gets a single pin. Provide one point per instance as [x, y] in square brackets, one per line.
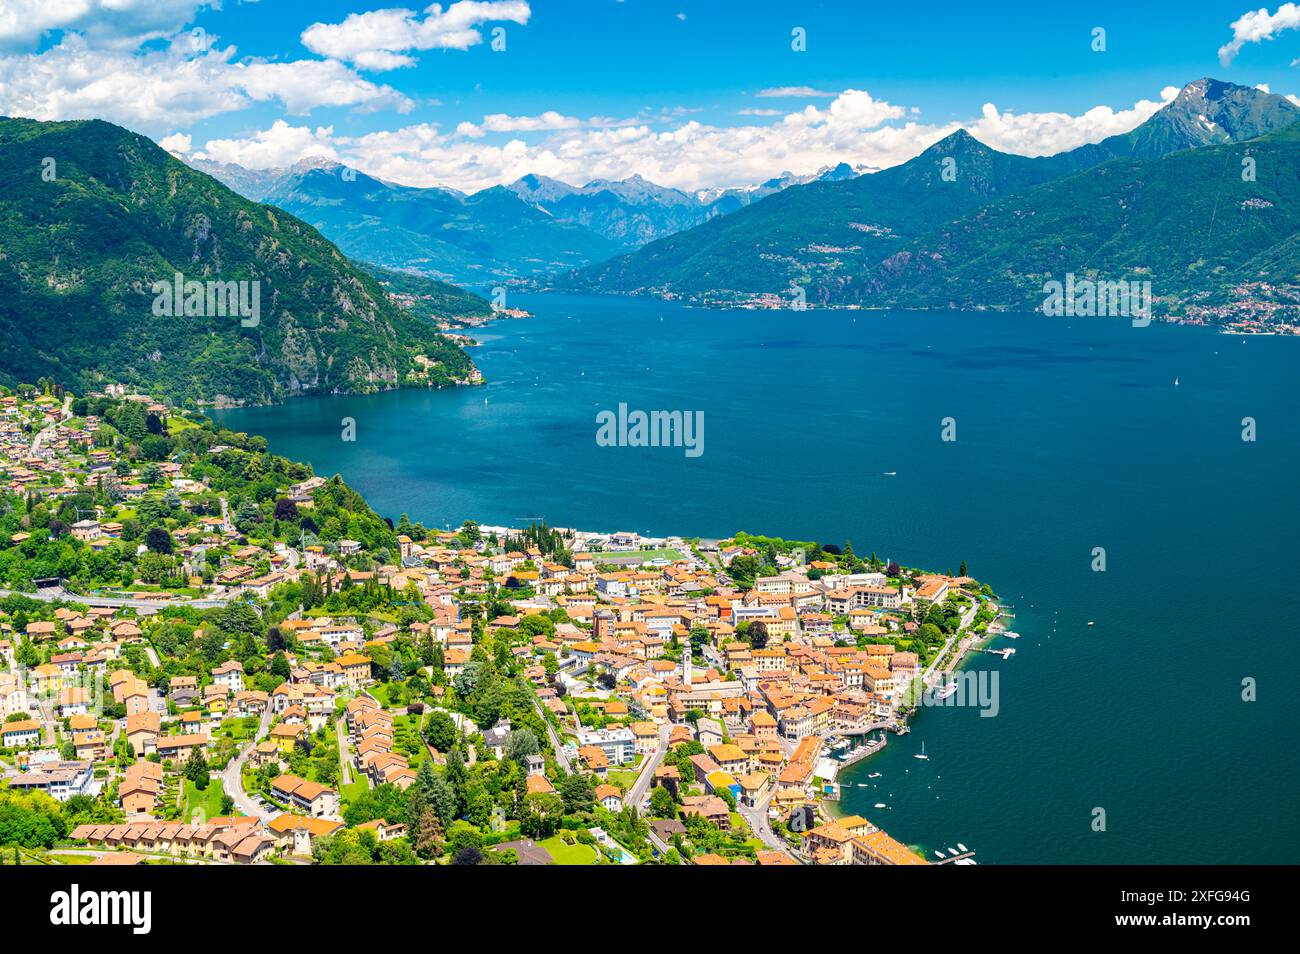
[671, 89]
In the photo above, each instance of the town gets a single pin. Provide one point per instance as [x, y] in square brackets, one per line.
[211, 655]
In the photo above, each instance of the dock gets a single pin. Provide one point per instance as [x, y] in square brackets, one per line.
[951, 858]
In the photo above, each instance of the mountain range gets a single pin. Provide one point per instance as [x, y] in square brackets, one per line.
[532, 227]
[96, 222]
[913, 233]
[634, 211]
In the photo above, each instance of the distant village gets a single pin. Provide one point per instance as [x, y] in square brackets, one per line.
[210, 655]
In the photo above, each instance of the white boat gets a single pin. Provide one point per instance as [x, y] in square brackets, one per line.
[880, 805]
[963, 848]
[921, 754]
[943, 692]
[1091, 623]
[890, 473]
[874, 775]
[863, 785]
[939, 854]
[1010, 635]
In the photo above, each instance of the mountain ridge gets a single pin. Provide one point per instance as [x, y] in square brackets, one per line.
[82, 252]
[837, 241]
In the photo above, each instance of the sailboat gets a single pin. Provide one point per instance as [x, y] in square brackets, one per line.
[1175, 382]
[921, 754]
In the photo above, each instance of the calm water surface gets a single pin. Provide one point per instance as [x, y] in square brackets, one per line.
[1070, 435]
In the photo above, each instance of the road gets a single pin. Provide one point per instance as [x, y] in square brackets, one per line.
[643, 781]
[345, 766]
[560, 757]
[233, 780]
[48, 431]
[60, 594]
[757, 818]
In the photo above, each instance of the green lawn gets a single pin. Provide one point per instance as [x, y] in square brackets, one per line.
[630, 556]
[238, 728]
[353, 790]
[578, 854]
[623, 779]
[208, 801]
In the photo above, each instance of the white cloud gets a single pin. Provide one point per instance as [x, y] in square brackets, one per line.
[178, 144]
[1045, 134]
[305, 84]
[1255, 26]
[383, 39]
[159, 90]
[789, 92]
[107, 22]
[854, 128]
[500, 122]
[758, 112]
[281, 145]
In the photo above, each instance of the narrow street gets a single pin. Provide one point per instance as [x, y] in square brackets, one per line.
[233, 780]
[641, 786]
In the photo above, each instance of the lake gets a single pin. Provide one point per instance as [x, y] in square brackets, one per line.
[1071, 434]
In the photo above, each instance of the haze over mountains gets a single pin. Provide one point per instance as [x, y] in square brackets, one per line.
[532, 227]
[898, 237]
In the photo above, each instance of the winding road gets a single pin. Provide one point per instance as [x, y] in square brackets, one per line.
[232, 778]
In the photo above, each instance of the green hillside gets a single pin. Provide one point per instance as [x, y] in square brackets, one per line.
[823, 235]
[1166, 200]
[1188, 223]
[81, 249]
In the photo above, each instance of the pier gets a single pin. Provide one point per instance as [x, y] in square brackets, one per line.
[870, 747]
[951, 858]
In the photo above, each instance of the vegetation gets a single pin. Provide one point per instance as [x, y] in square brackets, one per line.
[84, 246]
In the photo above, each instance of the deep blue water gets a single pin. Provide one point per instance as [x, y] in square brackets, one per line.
[1070, 435]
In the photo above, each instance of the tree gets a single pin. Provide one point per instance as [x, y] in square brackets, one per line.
[523, 743]
[961, 571]
[429, 834]
[541, 815]
[279, 666]
[440, 732]
[662, 804]
[468, 856]
[758, 636]
[578, 793]
[743, 570]
[196, 769]
[157, 540]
